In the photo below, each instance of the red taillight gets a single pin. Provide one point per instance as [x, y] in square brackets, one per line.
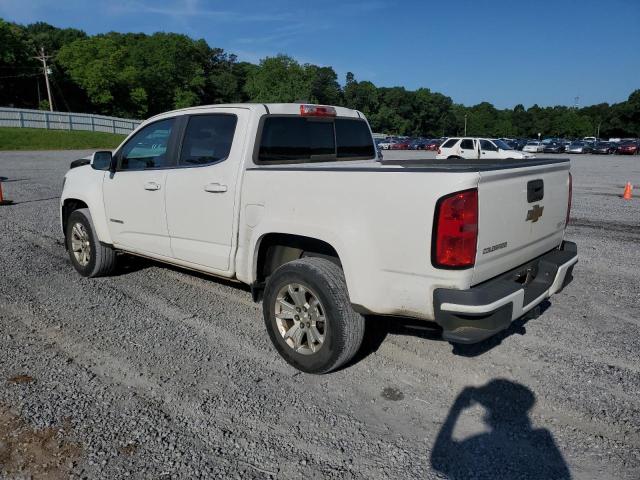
[317, 111]
[456, 230]
[569, 202]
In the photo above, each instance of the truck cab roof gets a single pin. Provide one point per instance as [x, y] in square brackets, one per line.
[259, 108]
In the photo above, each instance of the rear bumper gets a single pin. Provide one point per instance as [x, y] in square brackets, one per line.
[470, 316]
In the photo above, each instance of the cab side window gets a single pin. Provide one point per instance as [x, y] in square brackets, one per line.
[148, 148]
[207, 139]
[466, 144]
[487, 146]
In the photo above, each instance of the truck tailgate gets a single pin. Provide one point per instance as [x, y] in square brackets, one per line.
[521, 215]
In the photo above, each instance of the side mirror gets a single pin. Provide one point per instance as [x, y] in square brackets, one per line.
[102, 160]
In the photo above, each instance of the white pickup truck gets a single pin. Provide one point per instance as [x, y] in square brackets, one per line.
[293, 200]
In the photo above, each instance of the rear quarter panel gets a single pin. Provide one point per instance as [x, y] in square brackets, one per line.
[379, 222]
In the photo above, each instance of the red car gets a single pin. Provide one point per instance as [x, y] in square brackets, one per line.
[628, 148]
[432, 145]
[401, 145]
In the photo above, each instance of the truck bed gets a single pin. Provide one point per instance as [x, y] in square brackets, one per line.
[471, 165]
[414, 165]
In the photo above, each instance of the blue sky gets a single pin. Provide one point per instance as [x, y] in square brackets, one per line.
[505, 52]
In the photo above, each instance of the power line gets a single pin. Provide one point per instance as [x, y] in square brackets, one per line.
[43, 58]
[19, 68]
[21, 75]
[64, 100]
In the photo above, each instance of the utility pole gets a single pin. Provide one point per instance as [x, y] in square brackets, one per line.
[465, 124]
[43, 58]
[598, 133]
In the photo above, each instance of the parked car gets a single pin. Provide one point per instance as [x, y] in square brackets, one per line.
[477, 149]
[628, 148]
[518, 143]
[533, 146]
[432, 144]
[553, 147]
[387, 144]
[579, 147]
[400, 145]
[262, 195]
[418, 144]
[604, 148]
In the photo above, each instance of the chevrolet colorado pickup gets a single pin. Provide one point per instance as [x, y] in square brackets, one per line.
[294, 201]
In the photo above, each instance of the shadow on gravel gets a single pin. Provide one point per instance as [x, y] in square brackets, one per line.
[378, 327]
[132, 263]
[517, 327]
[127, 264]
[37, 200]
[8, 180]
[511, 448]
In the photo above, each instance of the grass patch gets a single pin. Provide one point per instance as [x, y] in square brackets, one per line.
[42, 139]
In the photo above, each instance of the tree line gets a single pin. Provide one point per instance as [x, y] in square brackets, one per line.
[135, 75]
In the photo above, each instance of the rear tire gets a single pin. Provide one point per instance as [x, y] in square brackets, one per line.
[88, 256]
[309, 316]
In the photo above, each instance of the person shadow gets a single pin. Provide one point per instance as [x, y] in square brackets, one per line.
[511, 448]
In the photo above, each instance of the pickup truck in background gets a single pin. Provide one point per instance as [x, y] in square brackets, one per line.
[293, 200]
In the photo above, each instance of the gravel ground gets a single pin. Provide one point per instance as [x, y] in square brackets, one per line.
[158, 373]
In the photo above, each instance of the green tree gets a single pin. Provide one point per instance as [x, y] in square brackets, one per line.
[138, 75]
[323, 85]
[361, 96]
[278, 79]
[18, 69]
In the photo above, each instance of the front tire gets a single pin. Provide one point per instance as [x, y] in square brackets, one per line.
[88, 256]
[309, 316]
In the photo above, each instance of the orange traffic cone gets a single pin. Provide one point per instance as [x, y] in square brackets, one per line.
[627, 191]
[3, 201]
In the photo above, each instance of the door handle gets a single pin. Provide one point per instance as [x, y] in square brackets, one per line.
[215, 188]
[151, 186]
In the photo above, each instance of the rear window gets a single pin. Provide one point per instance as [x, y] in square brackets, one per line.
[298, 139]
[207, 139]
[467, 144]
[450, 143]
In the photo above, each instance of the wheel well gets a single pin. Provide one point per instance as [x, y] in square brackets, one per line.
[276, 249]
[68, 207]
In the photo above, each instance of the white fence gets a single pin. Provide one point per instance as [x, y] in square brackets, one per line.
[25, 118]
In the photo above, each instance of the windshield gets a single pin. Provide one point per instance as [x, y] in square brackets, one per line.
[533, 143]
[502, 145]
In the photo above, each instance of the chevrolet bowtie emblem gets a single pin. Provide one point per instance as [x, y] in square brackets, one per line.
[535, 213]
